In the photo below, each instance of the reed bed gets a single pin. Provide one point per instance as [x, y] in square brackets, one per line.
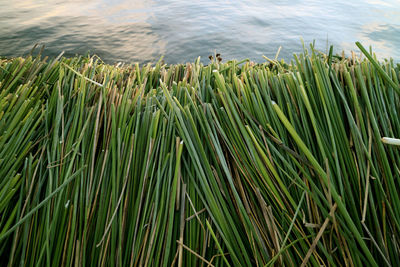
[225, 164]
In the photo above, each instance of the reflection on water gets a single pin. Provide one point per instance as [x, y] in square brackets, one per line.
[142, 31]
[382, 37]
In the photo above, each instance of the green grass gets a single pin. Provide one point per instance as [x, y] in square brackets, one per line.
[226, 164]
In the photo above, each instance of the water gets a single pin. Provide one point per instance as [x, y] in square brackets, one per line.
[142, 31]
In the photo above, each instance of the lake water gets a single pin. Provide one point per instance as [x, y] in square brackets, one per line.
[142, 31]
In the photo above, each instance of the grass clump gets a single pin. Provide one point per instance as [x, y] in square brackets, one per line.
[193, 165]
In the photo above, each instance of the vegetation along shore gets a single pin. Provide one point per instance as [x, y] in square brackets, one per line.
[225, 164]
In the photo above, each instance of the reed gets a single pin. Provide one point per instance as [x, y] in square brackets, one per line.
[225, 164]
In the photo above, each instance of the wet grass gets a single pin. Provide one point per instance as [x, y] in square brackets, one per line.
[192, 165]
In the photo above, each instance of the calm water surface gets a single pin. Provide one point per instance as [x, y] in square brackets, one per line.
[142, 31]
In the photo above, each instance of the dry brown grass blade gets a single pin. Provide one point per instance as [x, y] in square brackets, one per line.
[319, 235]
[194, 253]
